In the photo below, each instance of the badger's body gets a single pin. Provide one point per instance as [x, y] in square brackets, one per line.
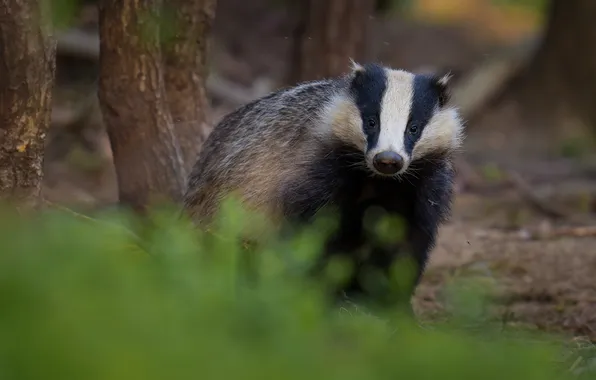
[375, 137]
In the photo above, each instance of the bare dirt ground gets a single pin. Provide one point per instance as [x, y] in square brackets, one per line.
[547, 282]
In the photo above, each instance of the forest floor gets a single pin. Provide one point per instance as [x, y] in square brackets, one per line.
[545, 282]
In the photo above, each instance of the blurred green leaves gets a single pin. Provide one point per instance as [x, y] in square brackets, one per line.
[78, 300]
[161, 24]
[61, 12]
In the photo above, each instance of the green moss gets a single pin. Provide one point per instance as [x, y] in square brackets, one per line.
[61, 14]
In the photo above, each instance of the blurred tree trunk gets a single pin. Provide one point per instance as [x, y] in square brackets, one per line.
[329, 34]
[147, 154]
[27, 68]
[562, 74]
[185, 70]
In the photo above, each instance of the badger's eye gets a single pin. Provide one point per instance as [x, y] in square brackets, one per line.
[371, 122]
[413, 129]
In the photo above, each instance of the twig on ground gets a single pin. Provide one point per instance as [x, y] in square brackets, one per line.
[473, 181]
[560, 232]
[538, 204]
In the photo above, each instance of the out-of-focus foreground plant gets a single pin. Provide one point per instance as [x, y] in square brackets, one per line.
[114, 299]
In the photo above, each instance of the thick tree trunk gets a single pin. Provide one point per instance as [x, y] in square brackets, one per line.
[562, 74]
[548, 103]
[147, 154]
[185, 69]
[27, 68]
[330, 33]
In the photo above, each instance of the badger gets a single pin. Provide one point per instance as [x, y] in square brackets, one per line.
[375, 137]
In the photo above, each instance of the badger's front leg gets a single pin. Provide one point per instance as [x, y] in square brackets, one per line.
[426, 209]
[432, 209]
[372, 260]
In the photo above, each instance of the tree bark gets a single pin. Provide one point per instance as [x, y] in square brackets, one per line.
[562, 75]
[27, 69]
[147, 154]
[329, 34]
[185, 70]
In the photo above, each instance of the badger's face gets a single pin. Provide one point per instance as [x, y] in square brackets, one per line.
[403, 117]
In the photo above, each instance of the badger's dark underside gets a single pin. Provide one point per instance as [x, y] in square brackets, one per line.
[340, 183]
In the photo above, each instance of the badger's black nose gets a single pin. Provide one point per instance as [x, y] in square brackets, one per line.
[388, 162]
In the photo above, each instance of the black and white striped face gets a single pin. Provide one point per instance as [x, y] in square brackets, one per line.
[404, 117]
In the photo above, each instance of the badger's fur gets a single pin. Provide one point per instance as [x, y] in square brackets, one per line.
[296, 151]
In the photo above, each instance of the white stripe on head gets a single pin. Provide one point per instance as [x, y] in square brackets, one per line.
[395, 111]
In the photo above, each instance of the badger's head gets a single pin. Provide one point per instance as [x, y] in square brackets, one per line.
[396, 118]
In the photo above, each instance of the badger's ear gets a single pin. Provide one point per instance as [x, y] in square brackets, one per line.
[355, 67]
[442, 83]
[356, 72]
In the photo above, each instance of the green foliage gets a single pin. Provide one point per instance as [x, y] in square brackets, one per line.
[151, 25]
[62, 13]
[114, 298]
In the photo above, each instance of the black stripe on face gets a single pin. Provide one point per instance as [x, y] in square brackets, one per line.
[368, 88]
[425, 99]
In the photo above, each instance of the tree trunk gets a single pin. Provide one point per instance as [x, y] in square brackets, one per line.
[27, 68]
[147, 154]
[330, 33]
[547, 106]
[562, 75]
[185, 72]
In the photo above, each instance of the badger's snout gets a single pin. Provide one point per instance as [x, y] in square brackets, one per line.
[388, 162]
